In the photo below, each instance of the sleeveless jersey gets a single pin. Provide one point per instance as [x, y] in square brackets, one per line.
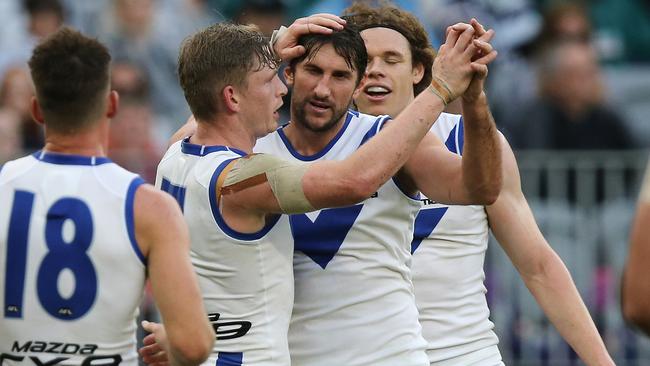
[71, 273]
[448, 253]
[246, 279]
[354, 302]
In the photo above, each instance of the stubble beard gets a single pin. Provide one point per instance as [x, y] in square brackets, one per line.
[298, 109]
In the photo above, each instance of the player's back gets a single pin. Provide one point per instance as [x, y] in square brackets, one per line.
[73, 274]
[448, 253]
[246, 279]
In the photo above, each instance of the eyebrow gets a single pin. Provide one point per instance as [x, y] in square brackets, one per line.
[392, 53]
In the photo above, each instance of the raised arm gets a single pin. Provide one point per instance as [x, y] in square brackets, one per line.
[163, 238]
[542, 270]
[441, 175]
[635, 295]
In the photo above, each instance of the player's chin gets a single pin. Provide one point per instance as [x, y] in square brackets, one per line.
[373, 109]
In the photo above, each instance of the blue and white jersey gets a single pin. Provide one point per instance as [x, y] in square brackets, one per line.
[448, 253]
[246, 280]
[71, 272]
[354, 302]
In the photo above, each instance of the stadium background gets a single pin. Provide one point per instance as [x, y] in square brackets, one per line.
[576, 116]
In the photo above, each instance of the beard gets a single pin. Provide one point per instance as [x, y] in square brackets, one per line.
[298, 108]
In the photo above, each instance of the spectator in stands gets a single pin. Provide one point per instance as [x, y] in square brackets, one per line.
[44, 17]
[10, 139]
[132, 143]
[565, 21]
[132, 31]
[16, 91]
[570, 112]
[635, 291]
[267, 15]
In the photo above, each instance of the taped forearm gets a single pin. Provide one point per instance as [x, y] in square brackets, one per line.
[285, 179]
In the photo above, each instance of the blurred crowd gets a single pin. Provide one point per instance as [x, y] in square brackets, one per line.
[547, 89]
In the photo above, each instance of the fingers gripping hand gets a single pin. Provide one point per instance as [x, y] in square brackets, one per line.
[154, 352]
[286, 40]
[452, 66]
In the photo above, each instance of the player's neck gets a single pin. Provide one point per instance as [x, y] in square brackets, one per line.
[226, 134]
[308, 142]
[89, 142]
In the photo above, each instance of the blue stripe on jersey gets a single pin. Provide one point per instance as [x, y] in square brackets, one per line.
[319, 154]
[425, 222]
[69, 159]
[203, 150]
[128, 213]
[461, 136]
[1, 165]
[376, 127]
[178, 192]
[212, 192]
[230, 359]
[451, 141]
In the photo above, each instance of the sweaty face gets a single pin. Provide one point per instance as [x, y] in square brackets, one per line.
[322, 90]
[263, 97]
[387, 86]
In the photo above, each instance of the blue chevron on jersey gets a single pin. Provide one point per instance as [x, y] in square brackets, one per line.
[322, 238]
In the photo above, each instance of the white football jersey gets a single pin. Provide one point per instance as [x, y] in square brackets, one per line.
[246, 279]
[354, 302]
[72, 273]
[448, 253]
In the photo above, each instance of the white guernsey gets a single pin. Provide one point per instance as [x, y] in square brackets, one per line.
[448, 248]
[245, 279]
[351, 268]
[67, 224]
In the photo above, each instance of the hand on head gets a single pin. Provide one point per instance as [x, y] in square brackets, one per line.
[285, 42]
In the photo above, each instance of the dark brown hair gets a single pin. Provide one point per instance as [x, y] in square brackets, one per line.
[220, 55]
[347, 43]
[364, 16]
[71, 79]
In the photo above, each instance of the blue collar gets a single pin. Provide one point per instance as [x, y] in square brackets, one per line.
[203, 150]
[324, 151]
[69, 159]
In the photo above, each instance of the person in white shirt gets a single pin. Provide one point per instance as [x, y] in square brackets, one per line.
[449, 243]
[81, 234]
[232, 199]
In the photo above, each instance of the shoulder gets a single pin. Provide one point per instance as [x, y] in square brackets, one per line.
[154, 208]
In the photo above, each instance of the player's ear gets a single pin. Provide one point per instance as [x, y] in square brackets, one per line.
[288, 75]
[359, 88]
[418, 73]
[231, 99]
[113, 104]
[37, 113]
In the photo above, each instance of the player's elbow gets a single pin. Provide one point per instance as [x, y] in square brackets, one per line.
[485, 194]
[193, 350]
[635, 311]
[361, 188]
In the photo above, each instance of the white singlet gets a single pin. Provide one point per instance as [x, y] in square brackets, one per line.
[448, 253]
[71, 272]
[246, 279]
[354, 303]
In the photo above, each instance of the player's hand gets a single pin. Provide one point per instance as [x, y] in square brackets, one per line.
[484, 55]
[154, 351]
[286, 46]
[452, 66]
